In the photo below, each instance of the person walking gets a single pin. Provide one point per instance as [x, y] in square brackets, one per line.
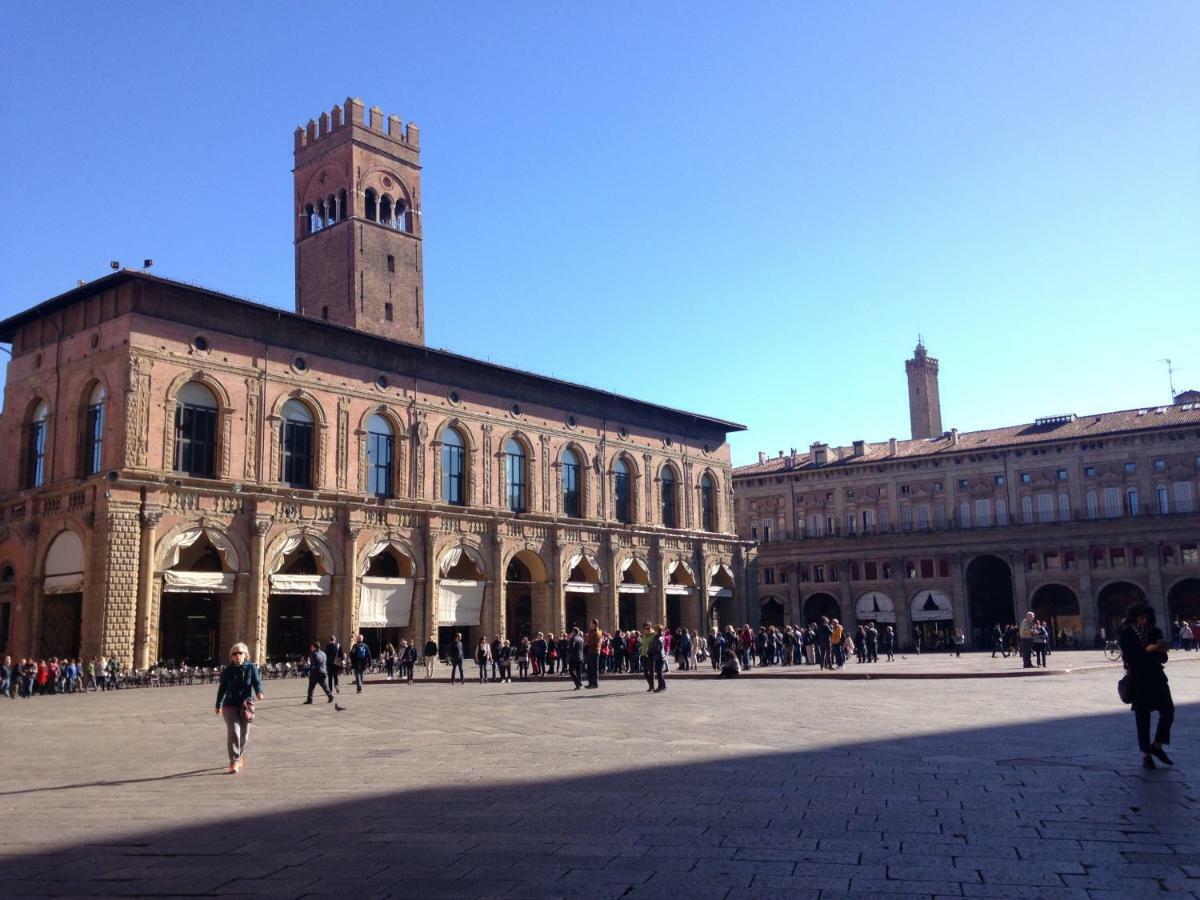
[644, 650]
[1041, 640]
[523, 659]
[240, 686]
[592, 655]
[960, 640]
[360, 660]
[538, 652]
[333, 659]
[454, 654]
[658, 658]
[318, 672]
[431, 655]
[997, 640]
[576, 653]
[872, 635]
[6, 675]
[496, 645]
[1144, 650]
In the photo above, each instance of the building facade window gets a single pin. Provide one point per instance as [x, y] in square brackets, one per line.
[1164, 499]
[1093, 505]
[1112, 503]
[670, 514]
[93, 431]
[1064, 508]
[964, 514]
[1001, 512]
[35, 447]
[381, 451]
[572, 497]
[1183, 496]
[453, 467]
[1027, 509]
[296, 444]
[708, 503]
[196, 431]
[623, 501]
[983, 512]
[514, 472]
[1131, 502]
[1045, 507]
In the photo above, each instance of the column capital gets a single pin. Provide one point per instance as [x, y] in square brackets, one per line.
[262, 524]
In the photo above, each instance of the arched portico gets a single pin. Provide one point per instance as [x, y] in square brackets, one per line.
[461, 594]
[1183, 602]
[722, 601]
[300, 571]
[989, 597]
[526, 590]
[197, 607]
[1112, 602]
[635, 603]
[821, 604]
[387, 573]
[1058, 606]
[771, 611]
[60, 618]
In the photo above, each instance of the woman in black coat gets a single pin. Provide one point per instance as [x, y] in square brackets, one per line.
[1144, 651]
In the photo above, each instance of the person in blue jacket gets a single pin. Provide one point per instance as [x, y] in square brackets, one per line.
[240, 685]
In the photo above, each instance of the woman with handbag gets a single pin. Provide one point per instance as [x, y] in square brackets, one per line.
[240, 685]
[1144, 650]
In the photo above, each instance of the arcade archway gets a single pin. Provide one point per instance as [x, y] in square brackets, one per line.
[1183, 601]
[818, 605]
[1058, 607]
[771, 612]
[1112, 603]
[524, 576]
[989, 597]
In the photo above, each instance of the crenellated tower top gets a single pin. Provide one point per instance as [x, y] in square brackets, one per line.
[354, 112]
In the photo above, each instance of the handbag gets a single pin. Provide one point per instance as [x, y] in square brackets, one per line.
[1125, 690]
[247, 710]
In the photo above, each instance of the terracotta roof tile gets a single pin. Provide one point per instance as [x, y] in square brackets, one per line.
[1051, 430]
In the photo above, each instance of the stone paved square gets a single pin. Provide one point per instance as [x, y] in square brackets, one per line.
[808, 787]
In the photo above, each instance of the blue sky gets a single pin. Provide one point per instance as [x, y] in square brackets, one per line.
[746, 210]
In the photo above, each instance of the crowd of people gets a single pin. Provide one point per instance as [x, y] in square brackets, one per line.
[1185, 635]
[26, 678]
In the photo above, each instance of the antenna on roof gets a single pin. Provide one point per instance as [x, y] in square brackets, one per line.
[1171, 370]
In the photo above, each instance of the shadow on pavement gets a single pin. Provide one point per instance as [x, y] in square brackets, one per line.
[1056, 809]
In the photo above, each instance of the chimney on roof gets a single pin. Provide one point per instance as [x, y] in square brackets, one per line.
[953, 432]
[860, 448]
[793, 457]
[781, 454]
[820, 453]
[892, 446]
[762, 457]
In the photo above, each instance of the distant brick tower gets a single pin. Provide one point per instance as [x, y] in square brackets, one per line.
[358, 223]
[924, 404]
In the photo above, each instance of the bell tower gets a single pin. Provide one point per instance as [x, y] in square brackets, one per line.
[924, 404]
[358, 222]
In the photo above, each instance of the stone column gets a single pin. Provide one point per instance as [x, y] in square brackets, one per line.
[904, 623]
[1087, 597]
[256, 607]
[346, 594]
[658, 584]
[144, 625]
[958, 601]
[610, 615]
[1016, 562]
[111, 593]
[1157, 595]
[497, 621]
[556, 612]
[431, 575]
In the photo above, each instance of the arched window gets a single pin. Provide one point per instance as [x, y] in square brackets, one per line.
[385, 210]
[453, 460]
[708, 503]
[296, 441]
[319, 218]
[341, 204]
[35, 447]
[670, 506]
[1093, 505]
[622, 492]
[309, 219]
[196, 431]
[514, 472]
[380, 457]
[369, 205]
[93, 431]
[331, 211]
[403, 217]
[572, 495]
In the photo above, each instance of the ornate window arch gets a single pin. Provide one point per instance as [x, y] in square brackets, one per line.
[372, 452]
[93, 408]
[708, 486]
[517, 484]
[454, 456]
[669, 495]
[36, 428]
[573, 484]
[208, 425]
[305, 452]
[625, 493]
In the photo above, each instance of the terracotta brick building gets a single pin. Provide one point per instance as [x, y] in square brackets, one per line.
[188, 468]
[1072, 516]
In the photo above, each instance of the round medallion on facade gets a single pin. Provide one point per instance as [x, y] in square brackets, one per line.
[623, 431]
[300, 364]
[200, 344]
[454, 397]
[515, 410]
[381, 382]
[572, 421]
[387, 182]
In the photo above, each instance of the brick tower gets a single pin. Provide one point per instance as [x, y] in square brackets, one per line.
[924, 404]
[358, 223]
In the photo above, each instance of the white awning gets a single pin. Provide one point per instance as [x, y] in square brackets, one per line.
[720, 592]
[680, 564]
[299, 584]
[63, 584]
[722, 569]
[292, 544]
[626, 588]
[459, 602]
[379, 548]
[931, 606]
[676, 589]
[581, 587]
[874, 606]
[220, 543]
[385, 602]
[198, 582]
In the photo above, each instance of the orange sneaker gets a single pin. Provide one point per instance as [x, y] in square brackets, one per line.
[240, 764]
[233, 769]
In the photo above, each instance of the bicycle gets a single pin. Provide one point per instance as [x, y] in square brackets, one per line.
[1112, 650]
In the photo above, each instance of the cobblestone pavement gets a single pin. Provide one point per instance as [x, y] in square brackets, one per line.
[1013, 787]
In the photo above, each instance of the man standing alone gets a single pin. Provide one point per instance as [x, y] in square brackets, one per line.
[1025, 635]
[593, 654]
[317, 668]
[360, 659]
[333, 653]
[575, 657]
